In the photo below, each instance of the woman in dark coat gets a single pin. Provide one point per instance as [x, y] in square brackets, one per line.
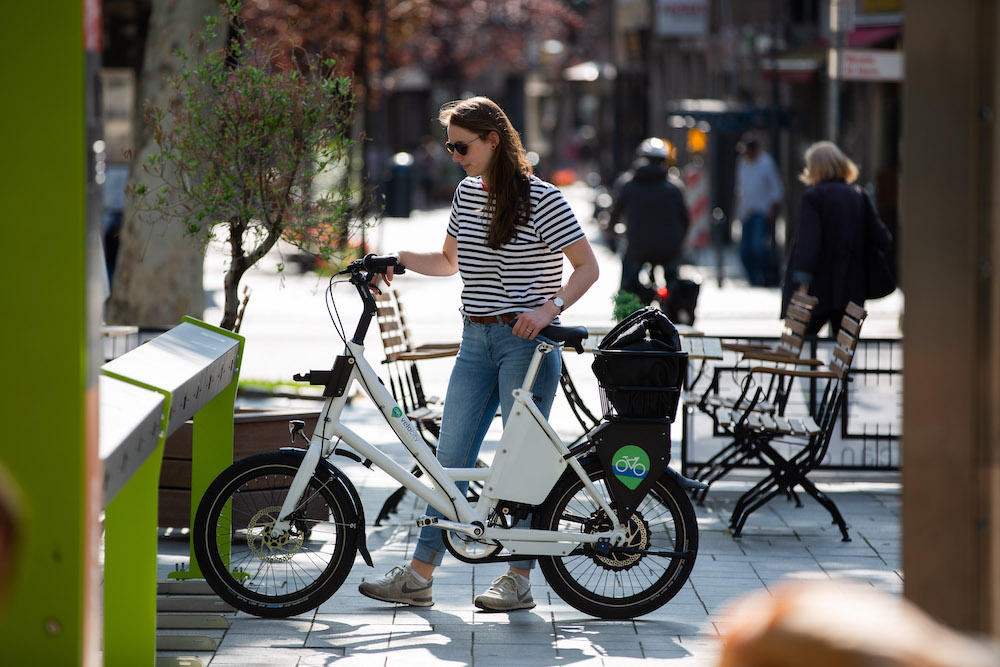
[836, 220]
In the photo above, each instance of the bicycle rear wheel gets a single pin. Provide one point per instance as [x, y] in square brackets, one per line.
[622, 584]
[268, 575]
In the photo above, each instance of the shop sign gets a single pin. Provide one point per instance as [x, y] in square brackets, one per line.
[871, 65]
[681, 18]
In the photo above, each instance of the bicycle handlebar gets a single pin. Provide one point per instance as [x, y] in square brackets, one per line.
[377, 264]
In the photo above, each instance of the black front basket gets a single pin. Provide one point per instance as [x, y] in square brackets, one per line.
[638, 384]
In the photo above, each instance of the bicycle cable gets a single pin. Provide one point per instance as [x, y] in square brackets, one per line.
[333, 313]
[338, 325]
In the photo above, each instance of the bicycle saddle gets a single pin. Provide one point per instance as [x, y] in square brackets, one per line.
[572, 336]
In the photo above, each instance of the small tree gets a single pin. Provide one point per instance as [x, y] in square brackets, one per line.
[625, 303]
[242, 147]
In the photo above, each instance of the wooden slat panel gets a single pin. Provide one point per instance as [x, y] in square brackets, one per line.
[187, 643]
[850, 326]
[856, 311]
[195, 603]
[174, 508]
[798, 328]
[797, 313]
[191, 622]
[847, 340]
[804, 299]
[175, 474]
[393, 341]
[183, 587]
[845, 355]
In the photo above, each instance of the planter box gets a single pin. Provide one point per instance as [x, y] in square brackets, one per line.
[255, 432]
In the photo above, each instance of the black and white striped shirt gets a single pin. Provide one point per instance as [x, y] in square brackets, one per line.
[527, 270]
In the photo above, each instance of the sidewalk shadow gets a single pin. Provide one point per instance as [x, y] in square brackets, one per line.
[535, 638]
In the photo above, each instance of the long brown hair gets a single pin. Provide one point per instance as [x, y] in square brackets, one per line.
[508, 200]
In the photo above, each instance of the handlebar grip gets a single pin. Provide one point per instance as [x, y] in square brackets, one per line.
[379, 264]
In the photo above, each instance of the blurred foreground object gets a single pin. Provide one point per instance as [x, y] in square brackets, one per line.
[843, 625]
[9, 519]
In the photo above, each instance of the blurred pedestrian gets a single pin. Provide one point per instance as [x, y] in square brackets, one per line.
[836, 221]
[759, 192]
[507, 236]
[656, 219]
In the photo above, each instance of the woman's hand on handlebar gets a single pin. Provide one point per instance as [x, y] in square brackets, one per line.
[387, 277]
[384, 267]
[530, 322]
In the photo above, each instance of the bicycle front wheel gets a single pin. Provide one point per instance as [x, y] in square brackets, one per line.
[654, 565]
[268, 574]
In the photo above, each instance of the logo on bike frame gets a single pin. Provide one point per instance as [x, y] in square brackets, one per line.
[397, 413]
[630, 464]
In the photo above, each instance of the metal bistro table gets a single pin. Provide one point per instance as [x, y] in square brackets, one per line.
[701, 349]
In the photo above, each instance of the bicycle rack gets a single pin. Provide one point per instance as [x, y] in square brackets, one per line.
[191, 371]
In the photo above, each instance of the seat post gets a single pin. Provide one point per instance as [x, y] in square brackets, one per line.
[536, 364]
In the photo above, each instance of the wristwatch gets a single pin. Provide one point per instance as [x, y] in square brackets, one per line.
[560, 304]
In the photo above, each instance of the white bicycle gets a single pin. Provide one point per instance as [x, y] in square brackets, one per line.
[276, 534]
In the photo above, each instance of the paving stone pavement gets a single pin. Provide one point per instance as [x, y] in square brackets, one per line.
[780, 542]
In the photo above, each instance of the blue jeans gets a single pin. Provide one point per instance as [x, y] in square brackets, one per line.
[755, 248]
[490, 365]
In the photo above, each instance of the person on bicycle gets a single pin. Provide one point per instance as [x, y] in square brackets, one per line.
[506, 237]
[656, 216]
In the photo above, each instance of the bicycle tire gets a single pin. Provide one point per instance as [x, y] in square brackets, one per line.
[274, 577]
[620, 586]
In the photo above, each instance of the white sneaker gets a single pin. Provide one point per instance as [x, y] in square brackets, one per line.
[506, 594]
[399, 585]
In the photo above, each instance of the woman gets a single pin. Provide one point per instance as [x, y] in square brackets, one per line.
[836, 220]
[507, 235]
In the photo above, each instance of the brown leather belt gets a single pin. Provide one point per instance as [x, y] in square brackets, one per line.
[493, 319]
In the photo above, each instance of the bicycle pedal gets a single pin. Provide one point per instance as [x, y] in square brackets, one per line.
[424, 521]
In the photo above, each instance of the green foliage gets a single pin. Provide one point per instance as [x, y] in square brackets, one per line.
[625, 303]
[252, 152]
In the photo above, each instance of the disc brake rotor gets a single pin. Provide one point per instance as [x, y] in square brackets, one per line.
[636, 537]
[267, 547]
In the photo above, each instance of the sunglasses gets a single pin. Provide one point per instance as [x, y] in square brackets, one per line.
[458, 146]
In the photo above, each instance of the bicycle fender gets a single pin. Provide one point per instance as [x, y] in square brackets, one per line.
[685, 483]
[345, 482]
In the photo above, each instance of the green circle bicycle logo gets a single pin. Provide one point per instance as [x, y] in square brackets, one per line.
[397, 413]
[630, 463]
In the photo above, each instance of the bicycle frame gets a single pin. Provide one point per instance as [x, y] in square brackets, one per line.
[530, 459]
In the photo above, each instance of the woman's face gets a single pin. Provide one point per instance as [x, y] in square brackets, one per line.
[479, 153]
